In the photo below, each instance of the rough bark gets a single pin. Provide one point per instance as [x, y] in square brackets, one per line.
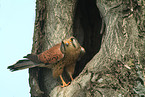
[116, 70]
[53, 23]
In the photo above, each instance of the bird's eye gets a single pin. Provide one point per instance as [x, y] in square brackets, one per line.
[73, 42]
[72, 39]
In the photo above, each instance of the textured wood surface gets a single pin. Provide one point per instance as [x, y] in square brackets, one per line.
[53, 23]
[116, 70]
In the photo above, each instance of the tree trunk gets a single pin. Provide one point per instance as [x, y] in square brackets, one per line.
[113, 64]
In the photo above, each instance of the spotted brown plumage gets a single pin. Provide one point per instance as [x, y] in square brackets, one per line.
[52, 55]
[60, 56]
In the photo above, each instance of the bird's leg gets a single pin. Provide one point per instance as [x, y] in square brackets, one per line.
[70, 69]
[70, 76]
[63, 82]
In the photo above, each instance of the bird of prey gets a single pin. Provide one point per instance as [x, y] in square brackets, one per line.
[64, 54]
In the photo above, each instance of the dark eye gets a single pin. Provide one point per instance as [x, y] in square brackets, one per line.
[72, 39]
[73, 42]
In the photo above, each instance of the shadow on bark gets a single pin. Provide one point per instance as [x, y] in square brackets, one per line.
[114, 67]
[87, 26]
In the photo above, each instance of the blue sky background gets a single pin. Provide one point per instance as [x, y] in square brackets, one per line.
[16, 32]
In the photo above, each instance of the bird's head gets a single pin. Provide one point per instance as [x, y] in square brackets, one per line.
[70, 45]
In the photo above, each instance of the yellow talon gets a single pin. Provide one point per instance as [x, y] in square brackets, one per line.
[63, 82]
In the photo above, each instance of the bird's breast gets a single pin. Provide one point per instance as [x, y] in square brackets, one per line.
[70, 58]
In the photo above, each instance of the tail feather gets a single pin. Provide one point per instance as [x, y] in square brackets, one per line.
[22, 64]
[33, 58]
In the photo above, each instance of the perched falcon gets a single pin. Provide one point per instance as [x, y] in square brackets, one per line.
[64, 54]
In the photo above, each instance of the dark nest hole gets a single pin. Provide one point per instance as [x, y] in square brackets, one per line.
[87, 29]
